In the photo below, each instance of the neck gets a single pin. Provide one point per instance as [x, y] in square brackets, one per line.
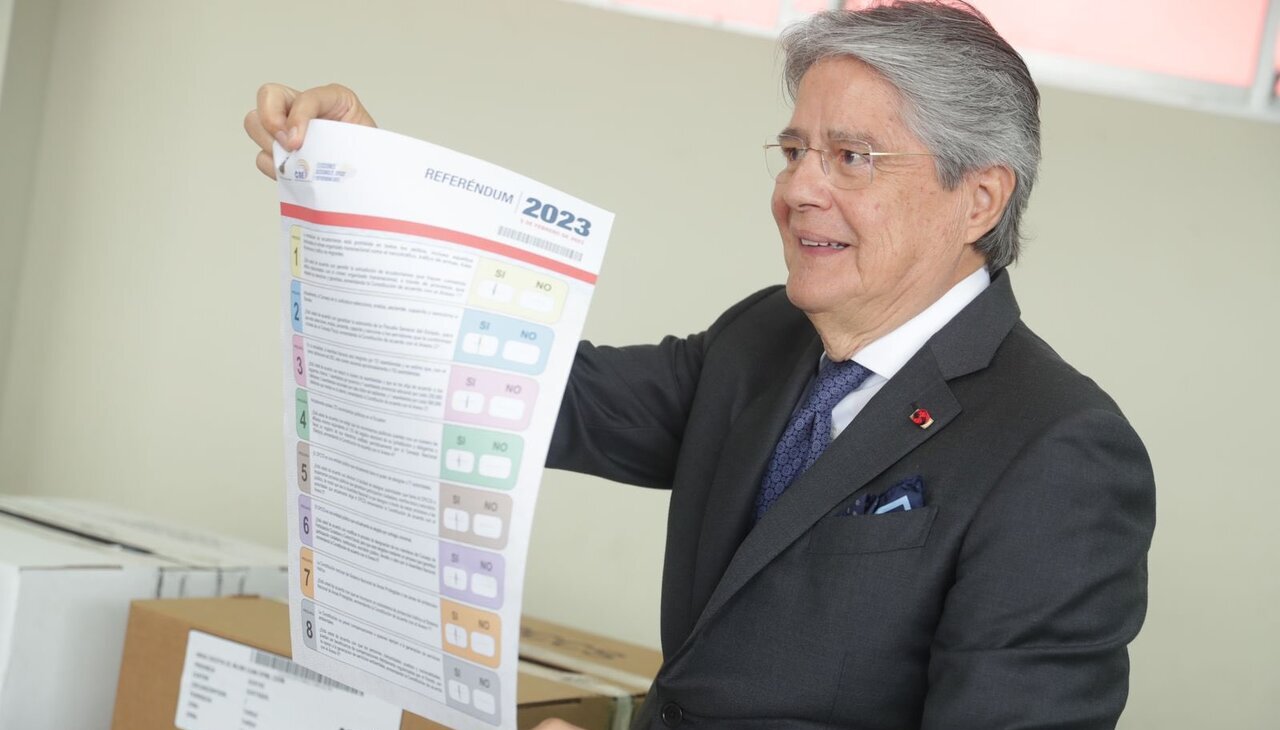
[846, 332]
[843, 337]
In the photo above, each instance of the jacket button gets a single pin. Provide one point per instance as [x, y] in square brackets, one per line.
[672, 715]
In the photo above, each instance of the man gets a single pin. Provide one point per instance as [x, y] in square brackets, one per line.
[892, 504]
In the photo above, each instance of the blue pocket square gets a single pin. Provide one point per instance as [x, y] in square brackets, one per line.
[904, 496]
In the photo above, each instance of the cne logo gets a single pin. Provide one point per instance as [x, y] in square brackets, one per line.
[295, 168]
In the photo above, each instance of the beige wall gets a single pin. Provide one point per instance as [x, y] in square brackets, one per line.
[6, 15]
[11, 236]
[142, 364]
[26, 32]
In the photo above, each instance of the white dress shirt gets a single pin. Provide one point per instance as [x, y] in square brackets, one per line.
[885, 356]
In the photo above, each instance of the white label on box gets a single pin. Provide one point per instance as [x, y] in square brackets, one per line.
[230, 685]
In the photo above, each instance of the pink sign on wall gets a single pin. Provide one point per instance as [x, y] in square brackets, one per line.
[1206, 41]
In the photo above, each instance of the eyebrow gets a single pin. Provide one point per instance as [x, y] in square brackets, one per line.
[836, 135]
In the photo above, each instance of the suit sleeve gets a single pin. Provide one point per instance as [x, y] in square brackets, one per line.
[1050, 586]
[625, 408]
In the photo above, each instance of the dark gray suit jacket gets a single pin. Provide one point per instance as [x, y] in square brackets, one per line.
[1007, 602]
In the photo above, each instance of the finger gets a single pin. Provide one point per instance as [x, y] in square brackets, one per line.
[274, 102]
[267, 164]
[257, 132]
[334, 101]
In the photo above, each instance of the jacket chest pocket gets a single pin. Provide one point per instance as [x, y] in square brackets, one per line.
[841, 534]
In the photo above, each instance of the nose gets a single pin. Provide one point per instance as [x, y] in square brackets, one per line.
[807, 185]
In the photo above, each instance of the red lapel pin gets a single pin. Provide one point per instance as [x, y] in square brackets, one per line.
[922, 418]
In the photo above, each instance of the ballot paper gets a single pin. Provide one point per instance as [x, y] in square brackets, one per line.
[432, 303]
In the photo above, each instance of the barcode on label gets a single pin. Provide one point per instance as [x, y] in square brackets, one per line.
[541, 243]
[281, 664]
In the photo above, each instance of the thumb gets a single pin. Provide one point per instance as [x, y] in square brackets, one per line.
[334, 102]
[274, 101]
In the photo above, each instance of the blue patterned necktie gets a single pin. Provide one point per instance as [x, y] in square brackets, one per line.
[809, 431]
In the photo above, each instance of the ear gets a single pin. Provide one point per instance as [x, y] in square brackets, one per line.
[988, 192]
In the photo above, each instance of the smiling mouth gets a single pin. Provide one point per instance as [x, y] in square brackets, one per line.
[808, 243]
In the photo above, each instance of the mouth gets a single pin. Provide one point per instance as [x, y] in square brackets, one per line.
[814, 243]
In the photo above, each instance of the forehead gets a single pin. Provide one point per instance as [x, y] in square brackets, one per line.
[843, 98]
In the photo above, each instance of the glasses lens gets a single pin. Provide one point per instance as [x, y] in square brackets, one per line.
[850, 165]
[847, 164]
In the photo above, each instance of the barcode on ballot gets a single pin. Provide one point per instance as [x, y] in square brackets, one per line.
[281, 664]
[541, 243]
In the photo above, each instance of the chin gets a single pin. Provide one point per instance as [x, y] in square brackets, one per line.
[812, 299]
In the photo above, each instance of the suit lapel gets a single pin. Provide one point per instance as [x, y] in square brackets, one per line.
[881, 435]
[731, 502]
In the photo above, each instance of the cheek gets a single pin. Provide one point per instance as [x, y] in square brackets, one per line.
[863, 217]
[881, 221]
[779, 207]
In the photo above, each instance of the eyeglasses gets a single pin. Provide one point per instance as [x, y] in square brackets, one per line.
[849, 165]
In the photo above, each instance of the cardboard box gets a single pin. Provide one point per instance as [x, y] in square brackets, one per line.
[157, 644]
[64, 603]
[626, 665]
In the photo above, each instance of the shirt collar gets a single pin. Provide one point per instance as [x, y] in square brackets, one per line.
[886, 355]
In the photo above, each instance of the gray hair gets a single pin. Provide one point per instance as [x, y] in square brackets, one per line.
[968, 95]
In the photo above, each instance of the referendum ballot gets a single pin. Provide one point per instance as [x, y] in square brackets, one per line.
[432, 305]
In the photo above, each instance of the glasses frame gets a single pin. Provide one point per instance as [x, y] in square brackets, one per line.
[825, 160]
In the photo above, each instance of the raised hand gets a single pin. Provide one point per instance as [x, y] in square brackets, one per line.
[283, 113]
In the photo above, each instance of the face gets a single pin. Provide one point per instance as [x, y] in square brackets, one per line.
[899, 241]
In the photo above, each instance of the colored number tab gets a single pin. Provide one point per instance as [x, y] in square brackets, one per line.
[295, 306]
[307, 572]
[305, 520]
[299, 361]
[295, 250]
[302, 414]
[309, 627]
[304, 467]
